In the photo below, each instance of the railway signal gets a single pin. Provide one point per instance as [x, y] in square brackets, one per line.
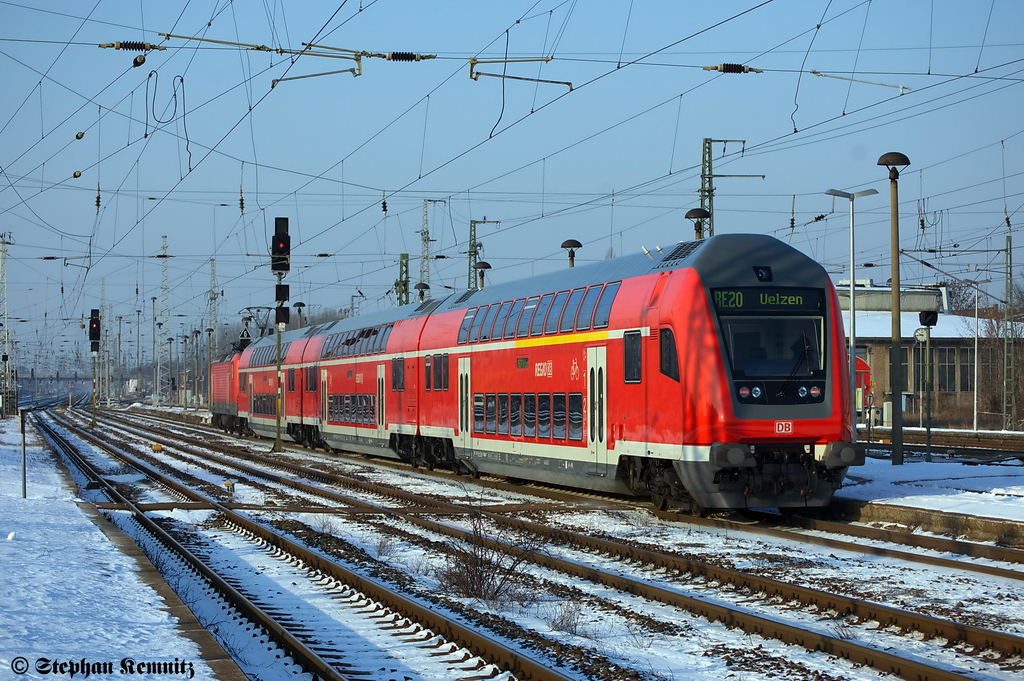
[280, 247]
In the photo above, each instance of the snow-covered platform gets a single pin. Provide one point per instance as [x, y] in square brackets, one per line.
[77, 593]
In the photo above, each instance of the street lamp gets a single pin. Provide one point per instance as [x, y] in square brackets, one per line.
[894, 160]
[853, 307]
[571, 245]
[698, 215]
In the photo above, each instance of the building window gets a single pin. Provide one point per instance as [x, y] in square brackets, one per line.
[945, 364]
[966, 369]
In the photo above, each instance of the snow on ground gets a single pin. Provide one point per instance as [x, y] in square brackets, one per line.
[67, 594]
[992, 491]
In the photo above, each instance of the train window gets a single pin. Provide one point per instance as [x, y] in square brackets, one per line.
[426, 372]
[669, 356]
[515, 410]
[478, 413]
[341, 407]
[587, 308]
[499, 321]
[241, 382]
[513, 318]
[537, 325]
[490, 413]
[374, 340]
[398, 374]
[543, 415]
[523, 327]
[439, 372]
[371, 407]
[575, 416]
[569, 313]
[481, 320]
[558, 416]
[364, 341]
[344, 346]
[551, 325]
[529, 415]
[632, 360]
[291, 380]
[311, 382]
[467, 322]
[503, 414]
[444, 370]
[385, 336]
[604, 307]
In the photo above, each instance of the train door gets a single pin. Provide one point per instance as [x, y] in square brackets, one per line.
[597, 408]
[380, 401]
[323, 399]
[465, 436]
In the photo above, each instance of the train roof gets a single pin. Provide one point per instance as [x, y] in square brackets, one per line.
[707, 256]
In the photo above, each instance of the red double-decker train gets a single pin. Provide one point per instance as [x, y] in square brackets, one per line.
[710, 376]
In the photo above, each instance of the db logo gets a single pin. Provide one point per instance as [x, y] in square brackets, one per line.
[783, 427]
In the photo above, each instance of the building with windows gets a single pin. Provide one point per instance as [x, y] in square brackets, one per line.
[954, 349]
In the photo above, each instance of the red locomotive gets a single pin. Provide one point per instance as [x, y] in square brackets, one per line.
[711, 376]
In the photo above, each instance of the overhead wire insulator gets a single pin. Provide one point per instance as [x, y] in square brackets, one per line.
[733, 68]
[133, 45]
[408, 56]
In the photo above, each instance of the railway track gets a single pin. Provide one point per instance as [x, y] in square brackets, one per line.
[460, 651]
[743, 589]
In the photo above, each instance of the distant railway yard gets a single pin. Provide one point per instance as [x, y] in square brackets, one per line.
[344, 566]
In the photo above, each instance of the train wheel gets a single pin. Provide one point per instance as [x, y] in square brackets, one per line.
[660, 502]
[697, 510]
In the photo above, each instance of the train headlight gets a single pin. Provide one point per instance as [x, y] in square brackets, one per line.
[815, 391]
[802, 392]
[755, 391]
[745, 392]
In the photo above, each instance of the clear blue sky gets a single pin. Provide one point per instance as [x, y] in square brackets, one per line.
[613, 162]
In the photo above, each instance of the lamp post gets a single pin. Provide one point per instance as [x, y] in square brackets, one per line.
[209, 368]
[170, 371]
[853, 308]
[195, 378]
[894, 160]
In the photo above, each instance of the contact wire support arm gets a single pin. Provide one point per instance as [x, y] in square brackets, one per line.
[475, 75]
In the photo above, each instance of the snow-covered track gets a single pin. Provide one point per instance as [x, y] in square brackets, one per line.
[768, 593]
[464, 651]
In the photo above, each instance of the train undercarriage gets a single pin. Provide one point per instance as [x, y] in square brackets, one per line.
[774, 476]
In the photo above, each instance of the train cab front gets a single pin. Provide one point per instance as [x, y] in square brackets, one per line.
[786, 437]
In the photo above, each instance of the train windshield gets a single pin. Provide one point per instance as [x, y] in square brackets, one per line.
[773, 333]
[774, 346]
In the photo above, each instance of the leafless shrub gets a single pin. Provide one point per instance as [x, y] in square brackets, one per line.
[567, 616]
[385, 546]
[487, 568]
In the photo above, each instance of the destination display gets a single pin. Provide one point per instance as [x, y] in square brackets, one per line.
[751, 299]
